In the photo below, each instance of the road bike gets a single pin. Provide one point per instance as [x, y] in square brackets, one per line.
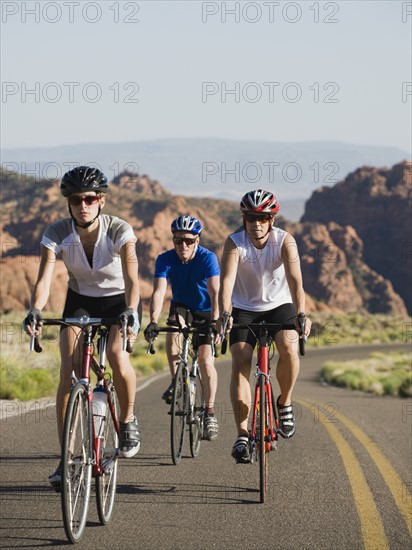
[264, 429]
[90, 445]
[188, 404]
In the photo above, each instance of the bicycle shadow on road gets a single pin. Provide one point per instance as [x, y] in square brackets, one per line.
[188, 493]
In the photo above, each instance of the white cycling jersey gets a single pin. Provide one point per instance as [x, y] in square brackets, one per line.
[105, 276]
[260, 283]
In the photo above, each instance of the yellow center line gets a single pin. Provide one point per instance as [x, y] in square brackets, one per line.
[373, 533]
[399, 490]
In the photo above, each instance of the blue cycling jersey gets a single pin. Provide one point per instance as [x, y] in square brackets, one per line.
[188, 280]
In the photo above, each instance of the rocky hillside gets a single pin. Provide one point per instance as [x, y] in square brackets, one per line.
[376, 203]
[336, 273]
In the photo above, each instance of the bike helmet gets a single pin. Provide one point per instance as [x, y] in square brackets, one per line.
[259, 202]
[82, 179]
[187, 223]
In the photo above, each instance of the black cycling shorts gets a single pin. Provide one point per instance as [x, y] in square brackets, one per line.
[201, 320]
[282, 314]
[105, 306]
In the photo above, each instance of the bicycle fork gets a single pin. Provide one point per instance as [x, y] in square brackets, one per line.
[189, 381]
[263, 402]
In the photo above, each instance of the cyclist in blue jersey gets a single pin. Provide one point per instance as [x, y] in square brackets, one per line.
[193, 273]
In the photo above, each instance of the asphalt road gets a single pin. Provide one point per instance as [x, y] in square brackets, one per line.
[344, 481]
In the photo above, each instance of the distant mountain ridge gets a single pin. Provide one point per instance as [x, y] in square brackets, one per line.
[219, 168]
[338, 270]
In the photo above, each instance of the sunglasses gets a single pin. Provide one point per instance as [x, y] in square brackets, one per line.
[75, 200]
[181, 240]
[258, 218]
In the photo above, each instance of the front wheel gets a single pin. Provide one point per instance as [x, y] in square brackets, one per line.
[262, 445]
[76, 463]
[107, 477]
[178, 413]
[197, 418]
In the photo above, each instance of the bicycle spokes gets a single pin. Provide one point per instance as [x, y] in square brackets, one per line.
[76, 463]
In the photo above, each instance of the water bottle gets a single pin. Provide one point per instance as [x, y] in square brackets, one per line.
[192, 389]
[99, 410]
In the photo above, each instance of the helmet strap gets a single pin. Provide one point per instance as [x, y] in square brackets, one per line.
[84, 225]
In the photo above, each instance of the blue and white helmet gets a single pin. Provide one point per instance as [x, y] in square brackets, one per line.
[186, 223]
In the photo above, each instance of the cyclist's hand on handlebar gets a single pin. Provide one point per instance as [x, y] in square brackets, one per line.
[33, 319]
[133, 323]
[151, 332]
[216, 331]
[225, 323]
[303, 324]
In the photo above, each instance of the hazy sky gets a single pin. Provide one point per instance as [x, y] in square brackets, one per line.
[81, 72]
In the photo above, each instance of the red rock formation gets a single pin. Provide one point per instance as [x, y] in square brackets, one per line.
[376, 202]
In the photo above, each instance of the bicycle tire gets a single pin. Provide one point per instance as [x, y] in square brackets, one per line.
[106, 482]
[262, 446]
[197, 418]
[178, 411]
[76, 463]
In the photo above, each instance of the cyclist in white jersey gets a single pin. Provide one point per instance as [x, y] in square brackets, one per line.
[261, 280]
[99, 252]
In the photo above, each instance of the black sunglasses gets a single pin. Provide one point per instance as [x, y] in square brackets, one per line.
[181, 240]
[75, 200]
[258, 218]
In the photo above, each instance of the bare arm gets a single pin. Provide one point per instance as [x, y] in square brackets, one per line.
[291, 261]
[213, 284]
[158, 296]
[42, 287]
[41, 290]
[130, 268]
[230, 262]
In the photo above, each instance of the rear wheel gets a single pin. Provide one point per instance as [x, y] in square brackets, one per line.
[197, 418]
[178, 413]
[106, 481]
[76, 463]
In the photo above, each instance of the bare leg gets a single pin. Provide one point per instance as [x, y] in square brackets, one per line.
[288, 364]
[70, 352]
[124, 376]
[172, 351]
[209, 375]
[240, 392]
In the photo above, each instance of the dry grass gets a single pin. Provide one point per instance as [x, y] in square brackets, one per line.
[380, 374]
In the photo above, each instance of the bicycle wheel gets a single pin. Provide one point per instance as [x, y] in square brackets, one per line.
[107, 479]
[178, 413]
[197, 418]
[262, 446]
[76, 463]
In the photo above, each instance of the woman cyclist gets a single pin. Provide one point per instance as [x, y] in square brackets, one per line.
[99, 253]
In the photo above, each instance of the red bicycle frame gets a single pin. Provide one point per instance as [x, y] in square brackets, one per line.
[271, 423]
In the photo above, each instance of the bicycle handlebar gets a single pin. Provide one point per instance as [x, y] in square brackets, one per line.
[80, 322]
[280, 326]
[150, 347]
[182, 330]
